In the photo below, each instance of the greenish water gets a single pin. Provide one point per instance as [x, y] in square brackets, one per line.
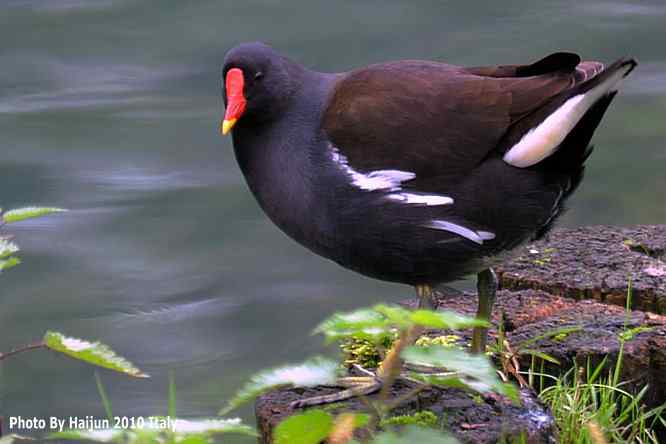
[110, 108]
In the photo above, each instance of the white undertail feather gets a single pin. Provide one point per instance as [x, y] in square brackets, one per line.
[475, 236]
[542, 141]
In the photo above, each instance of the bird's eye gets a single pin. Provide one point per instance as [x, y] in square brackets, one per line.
[259, 75]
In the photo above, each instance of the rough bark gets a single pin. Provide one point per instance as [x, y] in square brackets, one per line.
[527, 314]
[597, 262]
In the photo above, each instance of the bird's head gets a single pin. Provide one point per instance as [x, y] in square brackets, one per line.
[258, 83]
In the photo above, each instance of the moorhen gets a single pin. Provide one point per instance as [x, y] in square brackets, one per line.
[414, 171]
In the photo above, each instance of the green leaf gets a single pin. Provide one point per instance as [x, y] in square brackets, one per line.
[364, 317]
[14, 438]
[628, 334]
[558, 332]
[397, 316]
[540, 354]
[310, 427]
[20, 214]
[184, 431]
[6, 264]
[106, 435]
[361, 420]
[445, 319]
[378, 321]
[412, 435]
[7, 248]
[473, 371]
[94, 353]
[315, 371]
[192, 439]
[364, 323]
[213, 426]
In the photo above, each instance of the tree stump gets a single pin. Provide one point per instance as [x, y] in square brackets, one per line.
[597, 262]
[527, 314]
[472, 419]
[573, 278]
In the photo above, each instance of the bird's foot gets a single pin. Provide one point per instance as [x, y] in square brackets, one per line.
[355, 386]
[426, 369]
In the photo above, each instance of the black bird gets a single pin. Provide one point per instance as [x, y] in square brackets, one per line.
[413, 171]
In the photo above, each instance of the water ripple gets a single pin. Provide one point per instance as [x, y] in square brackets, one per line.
[650, 78]
[63, 5]
[139, 179]
[170, 313]
[624, 9]
[83, 85]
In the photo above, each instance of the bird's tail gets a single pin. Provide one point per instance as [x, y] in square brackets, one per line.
[576, 148]
[566, 123]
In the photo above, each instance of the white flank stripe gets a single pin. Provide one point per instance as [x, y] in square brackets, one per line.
[375, 180]
[381, 179]
[486, 235]
[474, 236]
[541, 141]
[423, 199]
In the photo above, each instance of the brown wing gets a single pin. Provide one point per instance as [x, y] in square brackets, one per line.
[435, 119]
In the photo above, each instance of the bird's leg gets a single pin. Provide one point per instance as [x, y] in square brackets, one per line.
[486, 285]
[424, 292]
[371, 385]
[387, 372]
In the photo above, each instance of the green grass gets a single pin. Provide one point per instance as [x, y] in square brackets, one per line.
[585, 400]
[591, 405]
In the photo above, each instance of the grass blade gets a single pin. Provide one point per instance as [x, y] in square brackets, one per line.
[103, 396]
[171, 409]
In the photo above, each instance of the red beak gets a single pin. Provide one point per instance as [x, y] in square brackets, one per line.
[236, 102]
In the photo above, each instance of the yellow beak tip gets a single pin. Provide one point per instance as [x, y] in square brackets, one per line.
[227, 125]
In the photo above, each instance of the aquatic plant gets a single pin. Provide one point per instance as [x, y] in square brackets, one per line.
[8, 248]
